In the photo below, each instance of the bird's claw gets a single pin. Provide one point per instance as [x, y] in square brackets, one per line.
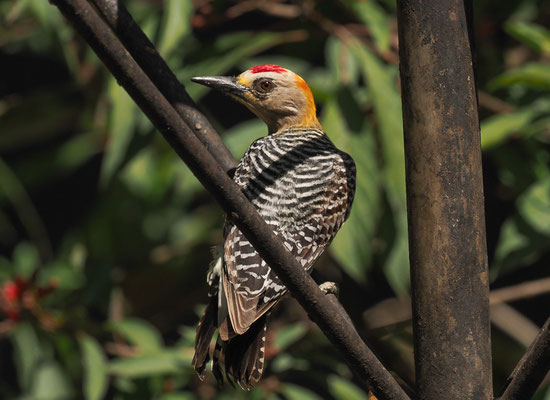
[329, 288]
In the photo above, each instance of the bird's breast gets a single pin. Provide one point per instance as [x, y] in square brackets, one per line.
[285, 177]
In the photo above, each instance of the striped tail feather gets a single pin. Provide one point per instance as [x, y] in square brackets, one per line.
[218, 352]
[205, 330]
[245, 355]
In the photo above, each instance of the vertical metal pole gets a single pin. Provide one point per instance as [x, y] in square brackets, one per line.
[445, 202]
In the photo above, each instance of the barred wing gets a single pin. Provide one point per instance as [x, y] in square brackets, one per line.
[315, 209]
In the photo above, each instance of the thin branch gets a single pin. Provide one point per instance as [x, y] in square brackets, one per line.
[514, 324]
[398, 310]
[331, 319]
[494, 104]
[520, 291]
[275, 9]
[531, 369]
[148, 58]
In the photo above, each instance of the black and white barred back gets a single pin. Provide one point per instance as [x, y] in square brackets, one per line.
[302, 186]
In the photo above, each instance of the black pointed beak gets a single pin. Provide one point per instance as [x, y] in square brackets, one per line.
[227, 84]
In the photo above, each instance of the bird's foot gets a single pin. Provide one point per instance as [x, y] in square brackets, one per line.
[329, 288]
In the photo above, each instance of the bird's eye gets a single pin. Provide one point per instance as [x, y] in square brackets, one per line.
[264, 85]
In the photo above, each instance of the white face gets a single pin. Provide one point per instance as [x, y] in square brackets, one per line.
[281, 98]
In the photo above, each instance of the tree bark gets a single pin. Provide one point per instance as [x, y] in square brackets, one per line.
[532, 368]
[448, 255]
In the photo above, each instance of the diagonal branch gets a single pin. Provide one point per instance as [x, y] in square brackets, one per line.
[330, 317]
[531, 369]
[148, 58]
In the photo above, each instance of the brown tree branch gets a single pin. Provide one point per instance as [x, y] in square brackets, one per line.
[531, 369]
[150, 61]
[449, 278]
[330, 318]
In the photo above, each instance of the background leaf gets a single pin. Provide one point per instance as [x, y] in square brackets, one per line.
[374, 17]
[343, 389]
[295, 392]
[95, 368]
[176, 25]
[387, 108]
[352, 247]
[496, 129]
[140, 334]
[50, 382]
[534, 206]
[535, 76]
[158, 363]
[534, 35]
[121, 130]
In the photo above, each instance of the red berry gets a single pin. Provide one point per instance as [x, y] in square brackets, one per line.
[11, 291]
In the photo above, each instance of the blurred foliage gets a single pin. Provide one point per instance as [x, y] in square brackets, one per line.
[106, 235]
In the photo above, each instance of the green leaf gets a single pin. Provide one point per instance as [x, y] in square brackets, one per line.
[543, 393]
[237, 139]
[51, 164]
[535, 36]
[519, 166]
[178, 396]
[289, 335]
[150, 175]
[376, 19]
[28, 352]
[534, 206]
[139, 333]
[343, 389]
[25, 259]
[193, 229]
[44, 13]
[518, 245]
[164, 362]
[242, 135]
[65, 275]
[342, 65]
[295, 392]
[76, 151]
[95, 368]
[496, 129]
[352, 246]
[15, 191]
[176, 24]
[396, 266]
[387, 109]
[285, 361]
[122, 121]
[50, 382]
[6, 268]
[534, 76]
[54, 112]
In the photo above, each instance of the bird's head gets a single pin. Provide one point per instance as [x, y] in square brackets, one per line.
[281, 98]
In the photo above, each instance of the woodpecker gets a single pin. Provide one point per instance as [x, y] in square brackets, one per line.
[301, 185]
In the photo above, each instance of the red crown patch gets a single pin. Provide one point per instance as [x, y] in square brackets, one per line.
[267, 68]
